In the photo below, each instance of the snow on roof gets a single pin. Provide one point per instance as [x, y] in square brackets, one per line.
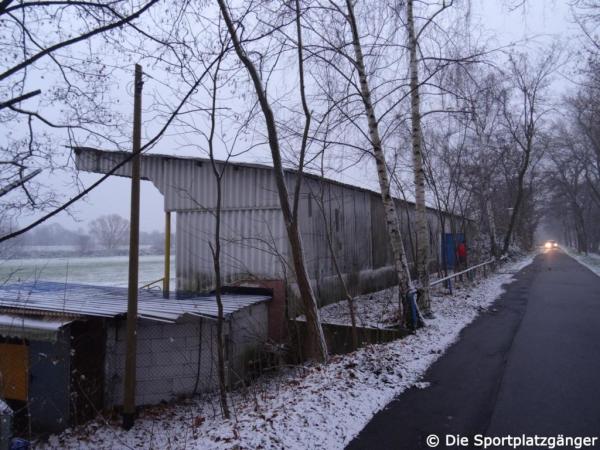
[105, 301]
[18, 326]
[26, 322]
[4, 408]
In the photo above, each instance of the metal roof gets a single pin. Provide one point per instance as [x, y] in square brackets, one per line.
[71, 299]
[26, 322]
[113, 157]
[31, 327]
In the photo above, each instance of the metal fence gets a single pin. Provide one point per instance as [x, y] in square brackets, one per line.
[471, 273]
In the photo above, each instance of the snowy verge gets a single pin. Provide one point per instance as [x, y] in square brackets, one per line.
[591, 260]
[319, 406]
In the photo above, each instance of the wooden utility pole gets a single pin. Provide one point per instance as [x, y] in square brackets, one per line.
[132, 297]
[167, 277]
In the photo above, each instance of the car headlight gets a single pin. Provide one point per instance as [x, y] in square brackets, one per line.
[548, 245]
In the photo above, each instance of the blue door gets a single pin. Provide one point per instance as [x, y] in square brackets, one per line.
[449, 244]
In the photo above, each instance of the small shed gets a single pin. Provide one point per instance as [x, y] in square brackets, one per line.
[62, 347]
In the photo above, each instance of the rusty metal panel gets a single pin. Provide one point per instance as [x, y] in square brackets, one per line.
[14, 371]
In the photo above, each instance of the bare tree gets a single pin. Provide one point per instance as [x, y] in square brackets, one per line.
[422, 261]
[84, 242]
[574, 168]
[216, 247]
[318, 348]
[319, 197]
[569, 185]
[393, 225]
[522, 115]
[55, 89]
[587, 16]
[110, 231]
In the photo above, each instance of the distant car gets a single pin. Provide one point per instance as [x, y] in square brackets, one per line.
[551, 244]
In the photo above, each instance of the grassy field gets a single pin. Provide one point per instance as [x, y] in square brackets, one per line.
[109, 270]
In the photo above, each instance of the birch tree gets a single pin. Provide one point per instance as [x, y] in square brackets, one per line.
[414, 35]
[391, 216]
[422, 261]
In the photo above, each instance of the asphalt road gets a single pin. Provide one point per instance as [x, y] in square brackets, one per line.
[530, 365]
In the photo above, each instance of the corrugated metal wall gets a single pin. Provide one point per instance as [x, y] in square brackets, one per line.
[49, 391]
[344, 213]
[189, 184]
[252, 227]
[250, 241]
[254, 236]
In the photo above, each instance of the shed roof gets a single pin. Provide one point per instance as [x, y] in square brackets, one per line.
[71, 299]
[18, 326]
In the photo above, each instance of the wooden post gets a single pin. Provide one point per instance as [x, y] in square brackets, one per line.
[167, 277]
[132, 297]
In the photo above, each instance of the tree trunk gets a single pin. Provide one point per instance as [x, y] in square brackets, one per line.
[519, 198]
[337, 269]
[582, 238]
[216, 251]
[422, 261]
[392, 222]
[216, 254]
[492, 227]
[318, 348]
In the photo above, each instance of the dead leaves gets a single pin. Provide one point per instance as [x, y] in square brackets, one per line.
[198, 421]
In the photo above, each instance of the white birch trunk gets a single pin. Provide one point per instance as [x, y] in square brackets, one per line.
[422, 261]
[392, 222]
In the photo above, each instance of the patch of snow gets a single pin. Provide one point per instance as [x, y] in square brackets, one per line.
[4, 408]
[375, 310]
[17, 322]
[317, 406]
[422, 384]
[591, 260]
[380, 309]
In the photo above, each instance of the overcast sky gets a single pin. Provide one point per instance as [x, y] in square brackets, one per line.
[540, 22]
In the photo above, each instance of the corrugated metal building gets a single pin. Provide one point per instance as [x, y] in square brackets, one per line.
[62, 348]
[254, 237]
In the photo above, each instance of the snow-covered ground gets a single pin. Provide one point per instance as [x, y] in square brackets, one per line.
[98, 270]
[591, 260]
[319, 406]
[377, 309]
